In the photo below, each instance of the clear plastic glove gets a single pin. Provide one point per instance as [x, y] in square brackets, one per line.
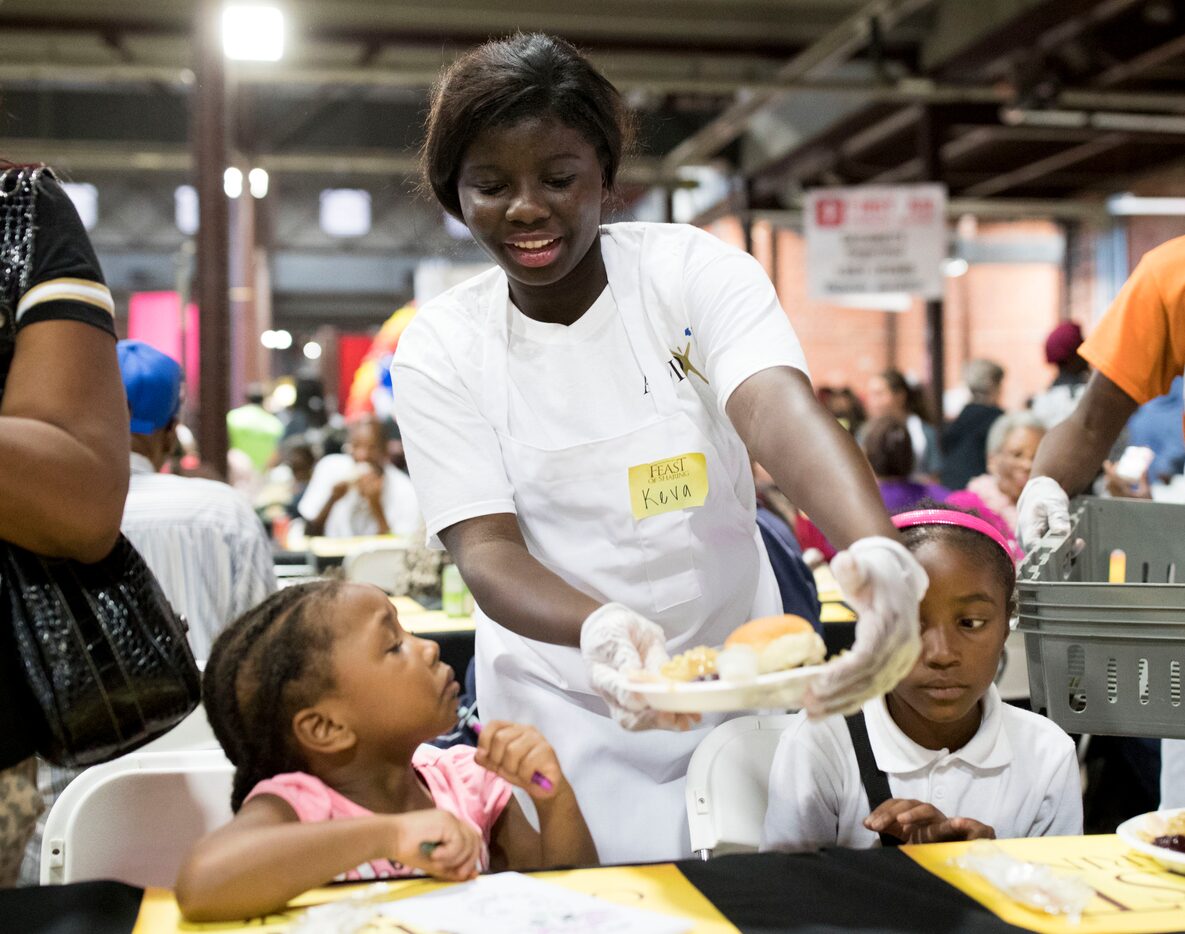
[884, 584]
[1043, 507]
[615, 641]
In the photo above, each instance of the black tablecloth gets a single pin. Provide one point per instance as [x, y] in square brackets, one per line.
[881, 891]
[90, 907]
[834, 891]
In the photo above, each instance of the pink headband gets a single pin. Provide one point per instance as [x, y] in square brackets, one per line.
[905, 520]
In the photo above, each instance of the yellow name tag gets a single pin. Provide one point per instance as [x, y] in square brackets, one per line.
[675, 483]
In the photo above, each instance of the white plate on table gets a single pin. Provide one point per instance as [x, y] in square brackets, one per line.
[1132, 832]
[778, 690]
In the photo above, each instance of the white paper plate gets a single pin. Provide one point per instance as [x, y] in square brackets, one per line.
[778, 690]
[1131, 832]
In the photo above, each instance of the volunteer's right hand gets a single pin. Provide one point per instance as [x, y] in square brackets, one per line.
[615, 641]
[1043, 507]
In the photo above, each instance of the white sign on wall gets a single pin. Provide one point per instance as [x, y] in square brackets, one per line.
[868, 240]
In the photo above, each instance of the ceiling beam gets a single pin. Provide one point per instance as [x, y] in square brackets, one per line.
[131, 157]
[628, 78]
[835, 47]
[1046, 166]
[1124, 71]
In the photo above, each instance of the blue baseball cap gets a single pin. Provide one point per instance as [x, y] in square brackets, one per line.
[152, 381]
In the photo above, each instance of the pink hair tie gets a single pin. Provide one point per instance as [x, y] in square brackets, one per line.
[906, 520]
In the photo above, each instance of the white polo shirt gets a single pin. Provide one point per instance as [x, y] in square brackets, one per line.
[1018, 774]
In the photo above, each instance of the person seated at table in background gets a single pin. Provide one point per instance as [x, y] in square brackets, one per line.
[361, 493]
[1011, 446]
[887, 444]
[941, 757]
[253, 430]
[324, 704]
[965, 439]
[1057, 403]
[890, 393]
[201, 538]
[297, 455]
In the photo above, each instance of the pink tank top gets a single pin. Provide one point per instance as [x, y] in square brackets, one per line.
[457, 785]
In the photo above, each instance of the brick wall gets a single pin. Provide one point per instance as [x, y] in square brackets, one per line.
[996, 310]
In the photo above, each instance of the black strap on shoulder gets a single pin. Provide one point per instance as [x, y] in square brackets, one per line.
[876, 783]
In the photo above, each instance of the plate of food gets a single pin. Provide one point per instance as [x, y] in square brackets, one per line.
[766, 663]
[1159, 834]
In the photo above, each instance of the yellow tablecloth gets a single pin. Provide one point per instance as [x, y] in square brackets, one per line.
[322, 547]
[834, 610]
[417, 620]
[1134, 893]
[655, 888]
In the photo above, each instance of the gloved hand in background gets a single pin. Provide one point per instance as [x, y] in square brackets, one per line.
[614, 641]
[1043, 507]
[884, 584]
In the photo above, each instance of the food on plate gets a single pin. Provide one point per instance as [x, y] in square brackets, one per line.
[780, 642]
[1168, 833]
[737, 663]
[697, 664]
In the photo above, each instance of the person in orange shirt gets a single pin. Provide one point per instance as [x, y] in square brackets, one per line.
[1136, 350]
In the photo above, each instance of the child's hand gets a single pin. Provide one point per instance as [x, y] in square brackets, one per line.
[919, 822]
[435, 842]
[516, 752]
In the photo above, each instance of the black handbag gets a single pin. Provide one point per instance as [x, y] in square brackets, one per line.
[106, 659]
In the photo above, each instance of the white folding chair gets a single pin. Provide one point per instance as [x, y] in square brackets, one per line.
[134, 819]
[194, 732]
[385, 566]
[728, 784]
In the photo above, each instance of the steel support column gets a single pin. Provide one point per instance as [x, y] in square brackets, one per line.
[209, 146]
[929, 142]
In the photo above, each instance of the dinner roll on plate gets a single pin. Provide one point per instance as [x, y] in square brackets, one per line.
[780, 642]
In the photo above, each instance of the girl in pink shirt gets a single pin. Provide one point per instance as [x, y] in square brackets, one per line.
[323, 704]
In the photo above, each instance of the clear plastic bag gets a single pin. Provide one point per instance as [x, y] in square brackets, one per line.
[1031, 884]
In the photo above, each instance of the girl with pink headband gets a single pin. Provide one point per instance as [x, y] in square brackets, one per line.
[941, 757]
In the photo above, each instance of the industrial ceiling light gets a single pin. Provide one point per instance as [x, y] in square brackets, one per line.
[253, 32]
[257, 180]
[185, 209]
[1129, 205]
[232, 182]
[345, 212]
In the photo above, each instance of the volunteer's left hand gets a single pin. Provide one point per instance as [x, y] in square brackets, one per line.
[884, 584]
[918, 822]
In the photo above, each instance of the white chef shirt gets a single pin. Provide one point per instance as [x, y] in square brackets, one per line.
[577, 383]
[1018, 774]
[352, 515]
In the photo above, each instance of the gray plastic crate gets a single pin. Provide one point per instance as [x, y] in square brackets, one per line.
[1108, 658]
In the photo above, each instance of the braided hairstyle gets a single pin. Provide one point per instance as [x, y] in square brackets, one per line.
[268, 664]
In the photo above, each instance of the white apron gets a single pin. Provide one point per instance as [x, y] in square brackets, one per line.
[698, 573]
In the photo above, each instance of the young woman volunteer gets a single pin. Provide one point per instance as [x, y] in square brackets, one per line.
[578, 424]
